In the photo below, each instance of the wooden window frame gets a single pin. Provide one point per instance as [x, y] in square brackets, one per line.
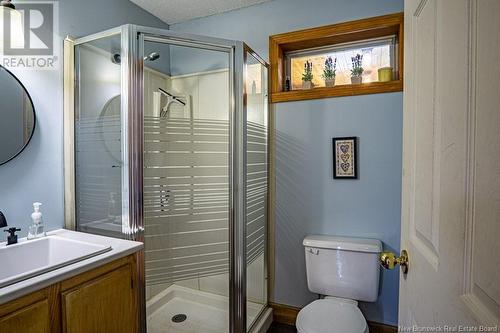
[352, 31]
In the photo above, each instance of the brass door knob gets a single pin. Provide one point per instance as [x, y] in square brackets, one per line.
[388, 260]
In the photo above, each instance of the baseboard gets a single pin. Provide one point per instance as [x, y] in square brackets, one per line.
[286, 314]
[381, 328]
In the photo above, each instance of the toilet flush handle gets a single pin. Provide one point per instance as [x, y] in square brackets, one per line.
[313, 250]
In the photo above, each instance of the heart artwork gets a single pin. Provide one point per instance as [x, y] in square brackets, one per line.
[345, 157]
[344, 148]
[345, 161]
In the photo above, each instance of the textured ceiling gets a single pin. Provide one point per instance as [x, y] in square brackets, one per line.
[175, 11]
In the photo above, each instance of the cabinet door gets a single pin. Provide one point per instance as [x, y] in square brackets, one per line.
[34, 318]
[104, 304]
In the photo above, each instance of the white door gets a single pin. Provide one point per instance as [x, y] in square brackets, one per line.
[451, 164]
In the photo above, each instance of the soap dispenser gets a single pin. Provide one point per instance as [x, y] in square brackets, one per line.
[36, 228]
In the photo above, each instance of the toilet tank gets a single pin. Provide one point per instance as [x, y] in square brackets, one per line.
[343, 266]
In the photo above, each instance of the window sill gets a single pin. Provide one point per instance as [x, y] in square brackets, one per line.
[338, 91]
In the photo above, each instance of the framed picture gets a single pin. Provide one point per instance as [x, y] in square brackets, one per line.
[345, 158]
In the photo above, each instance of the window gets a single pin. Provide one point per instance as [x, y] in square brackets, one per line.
[379, 40]
[376, 54]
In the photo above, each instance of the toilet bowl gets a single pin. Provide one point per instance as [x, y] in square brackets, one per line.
[345, 270]
[331, 316]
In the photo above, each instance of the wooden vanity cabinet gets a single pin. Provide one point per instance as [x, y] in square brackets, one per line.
[101, 300]
[27, 314]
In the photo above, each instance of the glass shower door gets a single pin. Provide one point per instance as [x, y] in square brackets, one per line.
[99, 137]
[186, 186]
[256, 184]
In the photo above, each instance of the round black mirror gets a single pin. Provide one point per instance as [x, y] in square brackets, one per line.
[17, 116]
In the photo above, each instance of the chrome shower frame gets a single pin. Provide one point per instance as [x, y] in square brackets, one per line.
[132, 127]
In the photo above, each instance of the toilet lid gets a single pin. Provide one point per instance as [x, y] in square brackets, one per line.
[330, 316]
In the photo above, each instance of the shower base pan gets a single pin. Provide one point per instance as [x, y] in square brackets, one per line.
[183, 310]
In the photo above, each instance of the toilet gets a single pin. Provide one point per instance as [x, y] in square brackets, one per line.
[343, 271]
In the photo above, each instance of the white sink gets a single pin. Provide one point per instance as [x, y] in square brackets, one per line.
[34, 257]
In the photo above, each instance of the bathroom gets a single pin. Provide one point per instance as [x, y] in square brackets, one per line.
[194, 157]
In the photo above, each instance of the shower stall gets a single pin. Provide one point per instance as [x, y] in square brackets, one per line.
[166, 142]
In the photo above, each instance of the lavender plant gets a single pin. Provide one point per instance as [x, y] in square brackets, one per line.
[330, 69]
[357, 65]
[308, 68]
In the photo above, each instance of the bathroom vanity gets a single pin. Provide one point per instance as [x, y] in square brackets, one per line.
[93, 293]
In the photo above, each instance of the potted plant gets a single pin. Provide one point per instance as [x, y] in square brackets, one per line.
[307, 76]
[357, 69]
[330, 71]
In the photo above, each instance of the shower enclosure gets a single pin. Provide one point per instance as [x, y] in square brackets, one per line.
[166, 142]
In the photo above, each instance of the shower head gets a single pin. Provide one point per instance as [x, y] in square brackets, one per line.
[116, 58]
[152, 56]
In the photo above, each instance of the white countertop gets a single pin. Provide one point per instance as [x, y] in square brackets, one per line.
[119, 248]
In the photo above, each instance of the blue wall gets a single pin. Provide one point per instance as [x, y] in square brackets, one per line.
[308, 200]
[37, 174]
